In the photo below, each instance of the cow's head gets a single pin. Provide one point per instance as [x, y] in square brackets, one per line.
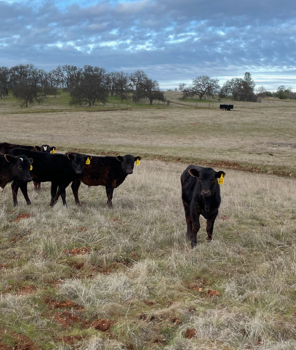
[78, 161]
[127, 163]
[207, 179]
[20, 166]
[44, 148]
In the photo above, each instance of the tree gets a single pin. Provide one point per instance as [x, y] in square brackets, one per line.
[121, 85]
[28, 83]
[182, 86]
[201, 86]
[88, 85]
[283, 92]
[145, 88]
[4, 81]
[239, 89]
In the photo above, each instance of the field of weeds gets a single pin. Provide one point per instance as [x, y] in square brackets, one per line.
[93, 278]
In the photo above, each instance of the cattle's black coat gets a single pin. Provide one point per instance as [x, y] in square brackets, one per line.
[6, 147]
[59, 169]
[105, 171]
[200, 196]
[16, 169]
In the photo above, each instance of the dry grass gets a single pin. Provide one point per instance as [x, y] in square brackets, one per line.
[142, 274]
[62, 269]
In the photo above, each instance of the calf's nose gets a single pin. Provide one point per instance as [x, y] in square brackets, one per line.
[27, 179]
[206, 193]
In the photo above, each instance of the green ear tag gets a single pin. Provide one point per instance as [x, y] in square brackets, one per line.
[87, 161]
[31, 167]
[137, 162]
[221, 180]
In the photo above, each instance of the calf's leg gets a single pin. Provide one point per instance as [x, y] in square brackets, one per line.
[210, 225]
[14, 187]
[75, 187]
[54, 194]
[109, 191]
[24, 189]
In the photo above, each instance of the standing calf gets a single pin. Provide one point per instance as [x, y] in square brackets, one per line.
[6, 147]
[16, 169]
[105, 171]
[200, 195]
[59, 169]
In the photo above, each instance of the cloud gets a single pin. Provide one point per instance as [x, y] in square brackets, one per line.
[168, 39]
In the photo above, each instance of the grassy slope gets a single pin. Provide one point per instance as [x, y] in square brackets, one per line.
[140, 271]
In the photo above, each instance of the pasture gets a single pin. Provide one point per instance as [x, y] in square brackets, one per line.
[90, 277]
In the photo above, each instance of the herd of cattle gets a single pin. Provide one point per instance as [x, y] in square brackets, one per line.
[21, 164]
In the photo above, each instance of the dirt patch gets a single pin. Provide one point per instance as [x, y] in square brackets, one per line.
[3, 266]
[63, 304]
[23, 216]
[212, 293]
[19, 289]
[102, 325]
[21, 342]
[190, 333]
[77, 251]
[77, 265]
[66, 319]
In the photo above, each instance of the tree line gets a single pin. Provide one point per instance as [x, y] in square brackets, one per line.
[238, 89]
[86, 85]
[89, 85]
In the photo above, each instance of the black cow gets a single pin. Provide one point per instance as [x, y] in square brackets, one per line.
[105, 171]
[200, 195]
[59, 169]
[16, 169]
[6, 147]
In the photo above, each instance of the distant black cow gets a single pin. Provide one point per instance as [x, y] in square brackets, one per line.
[16, 169]
[200, 195]
[105, 171]
[59, 169]
[6, 147]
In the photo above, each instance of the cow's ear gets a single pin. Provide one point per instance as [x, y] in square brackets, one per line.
[219, 173]
[119, 158]
[52, 148]
[193, 172]
[10, 159]
[31, 160]
[137, 158]
[37, 148]
[70, 156]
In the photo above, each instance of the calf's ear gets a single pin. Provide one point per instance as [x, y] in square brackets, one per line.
[219, 173]
[53, 148]
[31, 160]
[137, 158]
[10, 159]
[193, 172]
[70, 156]
[37, 148]
[119, 158]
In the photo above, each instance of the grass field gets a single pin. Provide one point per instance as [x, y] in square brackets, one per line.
[93, 278]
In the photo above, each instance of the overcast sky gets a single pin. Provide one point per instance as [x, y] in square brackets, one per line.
[172, 41]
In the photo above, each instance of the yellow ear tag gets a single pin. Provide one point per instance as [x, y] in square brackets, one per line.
[87, 161]
[31, 167]
[221, 180]
[137, 162]
[53, 151]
